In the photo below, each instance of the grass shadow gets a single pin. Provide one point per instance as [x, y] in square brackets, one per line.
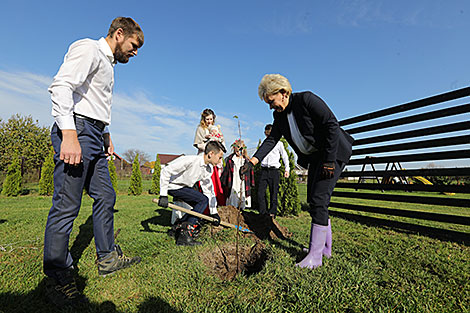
[155, 304]
[290, 246]
[25, 192]
[262, 225]
[83, 240]
[36, 301]
[3, 221]
[295, 252]
[432, 232]
[163, 219]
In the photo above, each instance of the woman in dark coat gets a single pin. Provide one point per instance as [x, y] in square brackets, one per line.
[311, 129]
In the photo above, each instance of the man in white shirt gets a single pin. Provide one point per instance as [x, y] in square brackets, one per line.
[178, 178]
[269, 176]
[81, 95]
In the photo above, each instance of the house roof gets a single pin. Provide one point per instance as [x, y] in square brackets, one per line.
[167, 158]
[118, 156]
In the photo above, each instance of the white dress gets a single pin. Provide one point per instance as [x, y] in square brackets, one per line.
[234, 197]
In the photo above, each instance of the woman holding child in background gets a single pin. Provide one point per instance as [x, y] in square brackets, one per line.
[207, 131]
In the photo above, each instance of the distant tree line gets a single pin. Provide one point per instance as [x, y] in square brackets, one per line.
[22, 138]
[130, 154]
[446, 180]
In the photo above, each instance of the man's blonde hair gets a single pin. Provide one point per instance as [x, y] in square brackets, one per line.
[271, 84]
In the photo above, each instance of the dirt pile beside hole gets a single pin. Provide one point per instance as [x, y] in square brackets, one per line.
[262, 226]
[222, 260]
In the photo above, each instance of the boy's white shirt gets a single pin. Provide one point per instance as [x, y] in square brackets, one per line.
[185, 171]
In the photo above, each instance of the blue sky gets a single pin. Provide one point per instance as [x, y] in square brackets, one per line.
[357, 55]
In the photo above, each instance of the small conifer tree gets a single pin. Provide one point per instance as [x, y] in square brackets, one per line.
[112, 173]
[12, 186]
[46, 182]
[135, 186]
[155, 188]
[288, 197]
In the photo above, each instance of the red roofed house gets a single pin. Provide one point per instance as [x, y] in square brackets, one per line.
[167, 158]
[120, 163]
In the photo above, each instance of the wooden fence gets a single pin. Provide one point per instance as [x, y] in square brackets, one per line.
[393, 148]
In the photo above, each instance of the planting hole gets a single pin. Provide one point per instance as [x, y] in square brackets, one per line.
[222, 260]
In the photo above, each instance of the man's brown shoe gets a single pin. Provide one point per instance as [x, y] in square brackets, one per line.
[63, 292]
[115, 261]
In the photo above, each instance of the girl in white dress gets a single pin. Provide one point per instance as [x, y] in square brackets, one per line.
[237, 190]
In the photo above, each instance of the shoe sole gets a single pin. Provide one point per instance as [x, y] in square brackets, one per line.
[188, 244]
[113, 272]
[108, 274]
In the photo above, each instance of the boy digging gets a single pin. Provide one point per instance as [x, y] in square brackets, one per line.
[178, 178]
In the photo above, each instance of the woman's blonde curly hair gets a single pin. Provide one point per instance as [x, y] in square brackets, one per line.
[271, 84]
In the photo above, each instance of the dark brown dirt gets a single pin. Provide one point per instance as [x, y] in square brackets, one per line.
[222, 261]
[262, 226]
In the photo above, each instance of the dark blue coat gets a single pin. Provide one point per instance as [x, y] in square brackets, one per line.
[316, 123]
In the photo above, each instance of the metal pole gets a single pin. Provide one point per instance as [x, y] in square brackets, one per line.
[239, 197]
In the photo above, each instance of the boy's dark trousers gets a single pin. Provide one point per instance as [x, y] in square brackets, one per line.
[194, 198]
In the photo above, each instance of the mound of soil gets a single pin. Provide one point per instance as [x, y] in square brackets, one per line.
[222, 260]
[262, 226]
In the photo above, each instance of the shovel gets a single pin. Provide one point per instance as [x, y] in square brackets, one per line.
[208, 218]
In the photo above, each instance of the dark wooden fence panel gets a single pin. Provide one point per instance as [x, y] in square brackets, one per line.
[414, 187]
[447, 218]
[452, 95]
[430, 156]
[412, 119]
[448, 128]
[386, 153]
[448, 201]
[459, 171]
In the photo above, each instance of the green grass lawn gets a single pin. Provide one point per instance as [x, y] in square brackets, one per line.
[373, 268]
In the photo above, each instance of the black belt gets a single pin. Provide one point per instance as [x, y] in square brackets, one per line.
[269, 167]
[101, 125]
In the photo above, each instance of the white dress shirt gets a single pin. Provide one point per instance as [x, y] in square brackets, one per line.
[84, 83]
[304, 146]
[185, 171]
[273, 157]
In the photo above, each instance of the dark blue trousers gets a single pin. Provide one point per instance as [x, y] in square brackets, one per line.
[319, 190]
[69, 181]
[198, 201]
[269, 177]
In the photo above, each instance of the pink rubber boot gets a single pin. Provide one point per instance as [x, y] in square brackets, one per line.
[328, 242]
[317, 243]
[329, 239]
